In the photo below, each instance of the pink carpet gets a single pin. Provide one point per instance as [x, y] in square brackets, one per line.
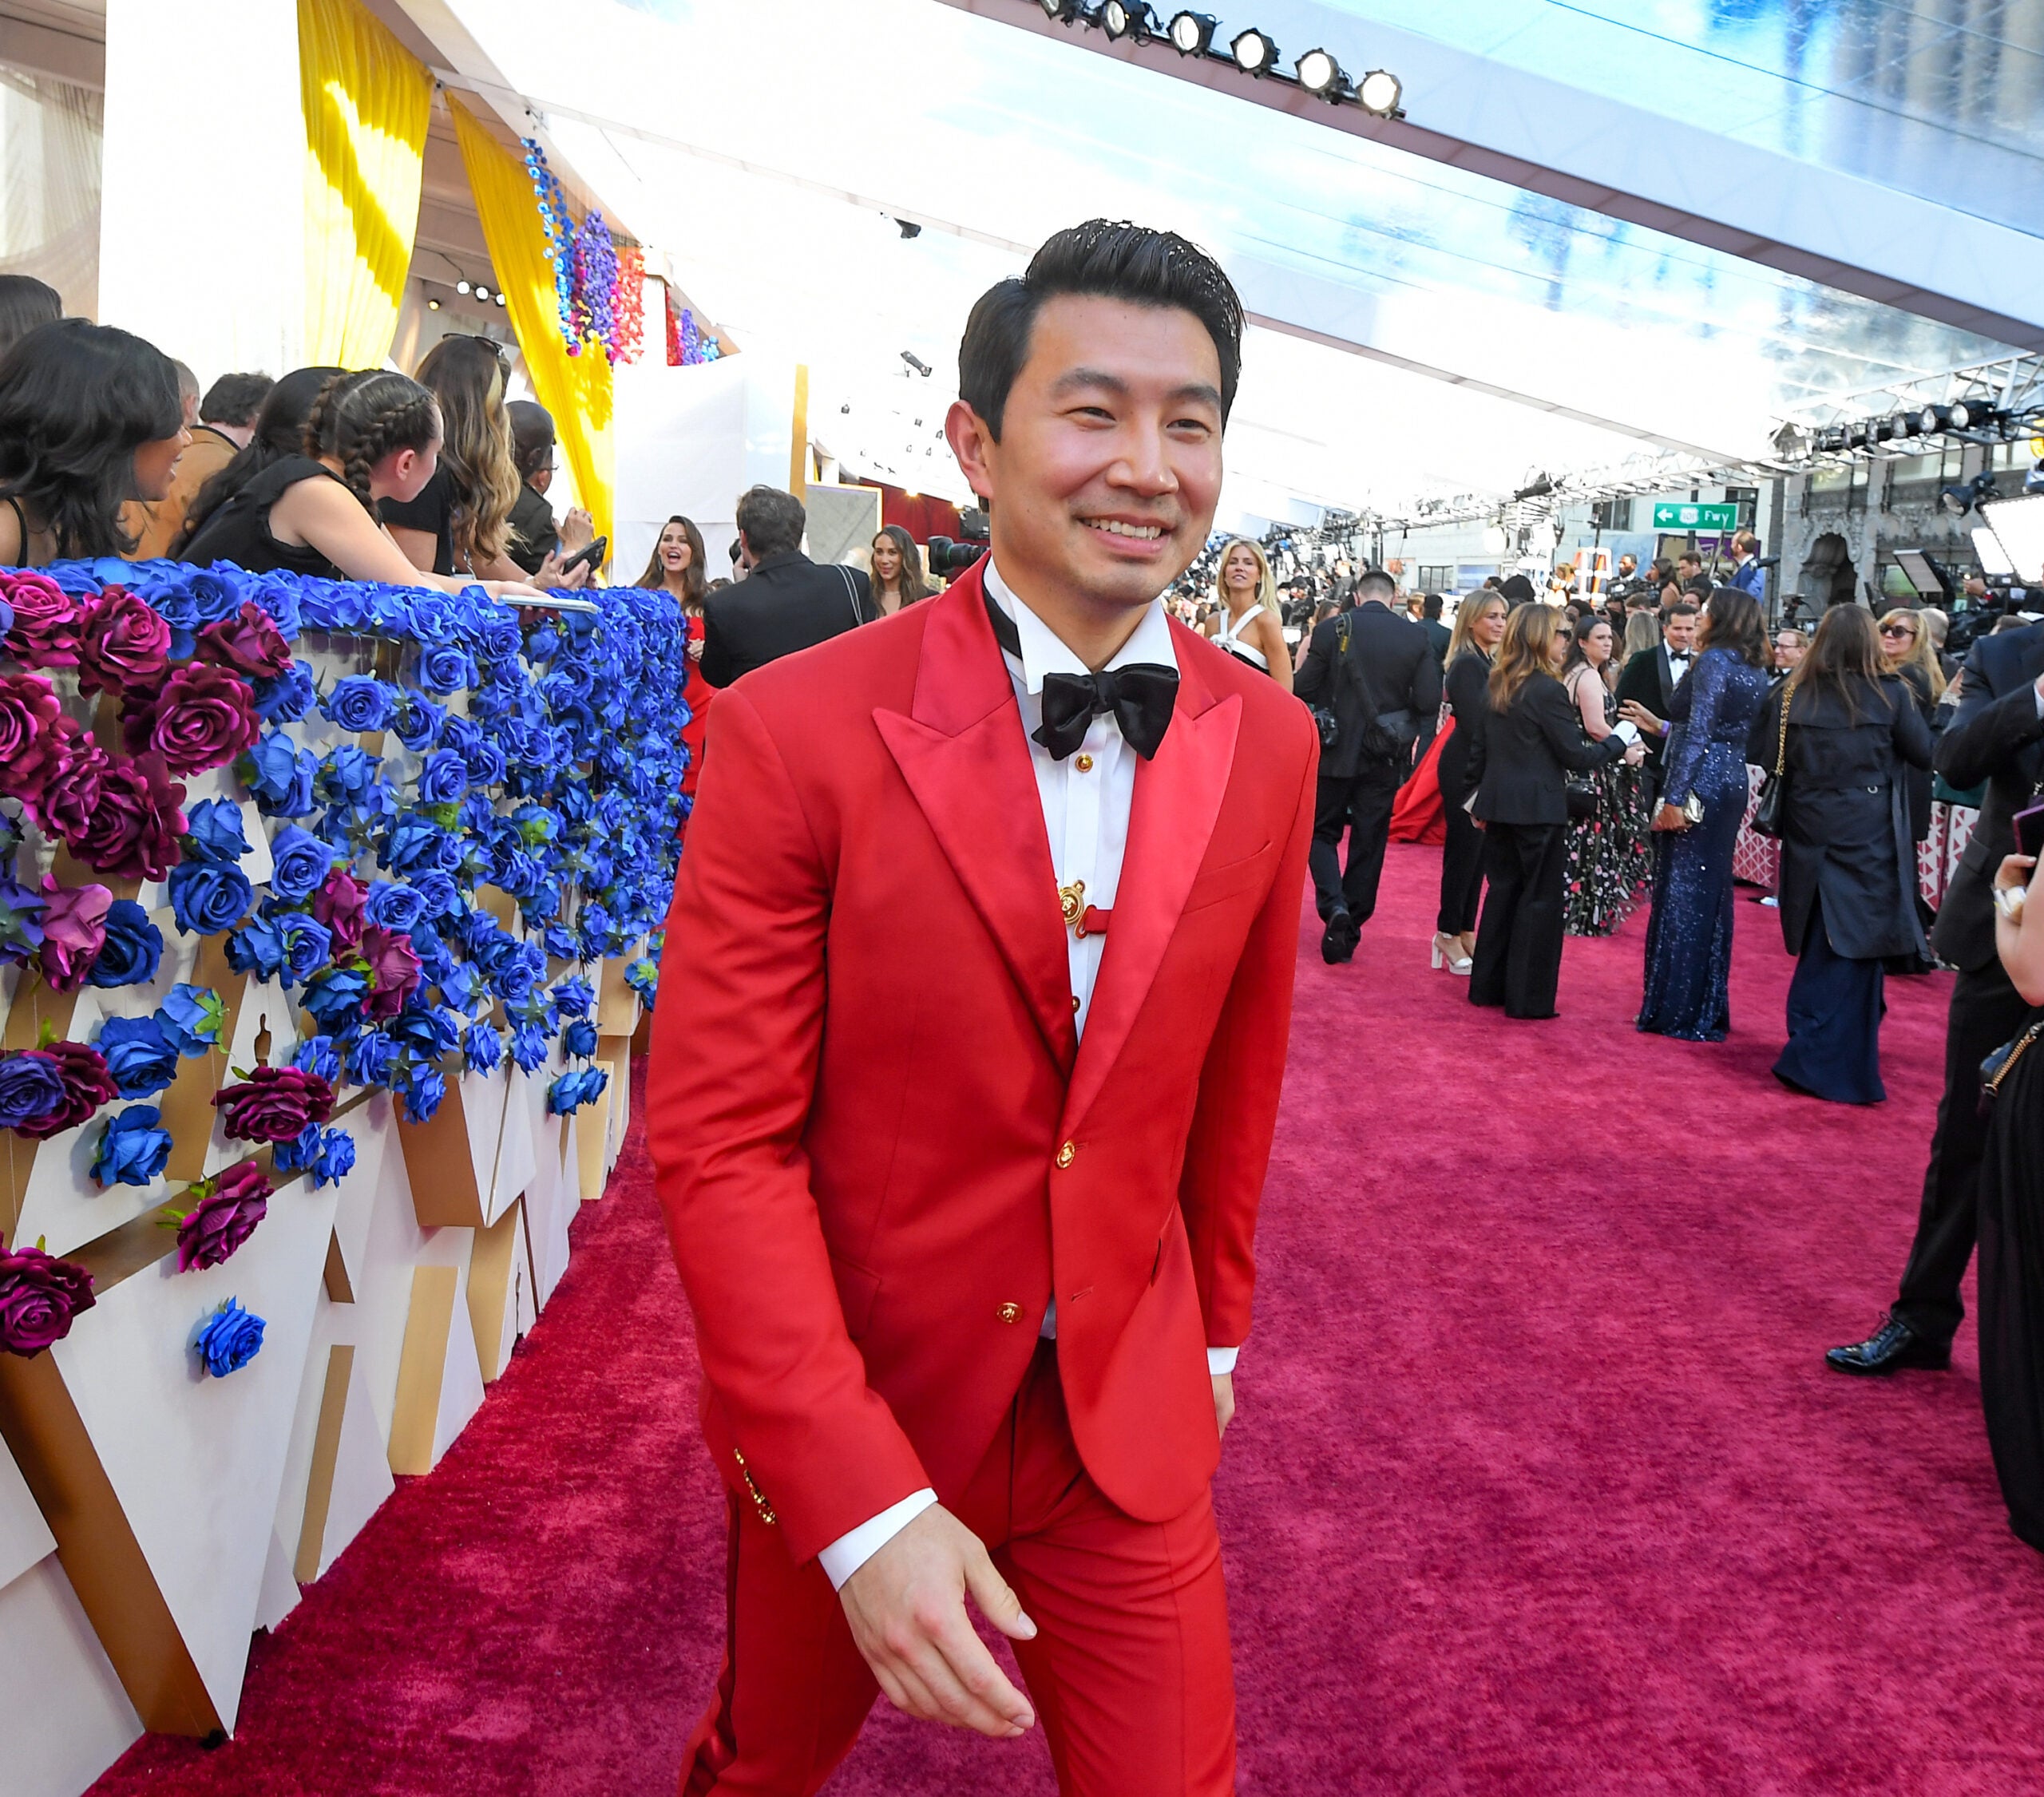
[1538, 1484]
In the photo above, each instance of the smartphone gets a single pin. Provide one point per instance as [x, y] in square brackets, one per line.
[591, 556]
[2029, 831]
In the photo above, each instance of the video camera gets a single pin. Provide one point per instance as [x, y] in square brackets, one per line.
[948, 557]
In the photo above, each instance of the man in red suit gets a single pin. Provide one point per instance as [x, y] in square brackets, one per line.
[983, 942]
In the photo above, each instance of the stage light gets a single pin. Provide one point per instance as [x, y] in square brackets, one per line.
[1320, 73]
[461, 286]
[1932, 417]
[1060, 12]
[1255, 53]
[482, 291]
[1380, 91]
[498, 296]
[433, 305]
[1493, 539]
[1192, 34]
[1124, 19]
[1962, 416]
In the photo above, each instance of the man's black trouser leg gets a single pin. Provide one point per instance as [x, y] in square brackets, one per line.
[1330, 817]
[1986, 1011]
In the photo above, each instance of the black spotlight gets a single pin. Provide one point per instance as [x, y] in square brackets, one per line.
[910, 230]
[1254, 53]
[1060, 12]
[1127, 19]
[1381, 92]
[1192, 34]
[1932, 418]
[1320, 73]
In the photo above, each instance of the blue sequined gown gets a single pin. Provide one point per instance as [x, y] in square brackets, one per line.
[1689, 938]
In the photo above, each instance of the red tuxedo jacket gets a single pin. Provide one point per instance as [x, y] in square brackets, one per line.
[879, 1147]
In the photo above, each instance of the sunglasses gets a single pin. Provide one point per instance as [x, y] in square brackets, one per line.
[1908, 631]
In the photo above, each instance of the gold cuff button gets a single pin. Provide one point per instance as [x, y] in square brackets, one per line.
[1066, 1154]
[1009, 1313]
[1083, 763]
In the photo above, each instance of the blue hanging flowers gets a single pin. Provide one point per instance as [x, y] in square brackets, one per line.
[227, 1341]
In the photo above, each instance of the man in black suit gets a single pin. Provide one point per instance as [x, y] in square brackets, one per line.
[1378, 673]
[787, 602]
[1438, 634]
[1646, 687]
[1997, 738]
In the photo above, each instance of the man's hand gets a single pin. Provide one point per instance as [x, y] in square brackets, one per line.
[906, 1607]
[1224, 1400]
[578, 530]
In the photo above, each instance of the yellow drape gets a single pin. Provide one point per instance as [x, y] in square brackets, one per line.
[576, 389]
[367, 103]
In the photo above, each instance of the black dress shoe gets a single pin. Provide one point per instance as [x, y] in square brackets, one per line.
[1339, 944]
[1890, 1348]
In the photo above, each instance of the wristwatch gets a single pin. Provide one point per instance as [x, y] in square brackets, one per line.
[2009, 901]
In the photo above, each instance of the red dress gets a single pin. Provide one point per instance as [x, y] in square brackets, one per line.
[696, 695]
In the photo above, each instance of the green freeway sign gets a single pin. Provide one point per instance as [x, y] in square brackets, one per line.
[1679, 516]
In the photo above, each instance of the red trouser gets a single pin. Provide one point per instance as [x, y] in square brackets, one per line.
[1129, 1672]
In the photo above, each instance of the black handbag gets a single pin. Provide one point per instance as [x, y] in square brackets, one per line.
[2000, 1064]
[1767, 814]
[1584, 799]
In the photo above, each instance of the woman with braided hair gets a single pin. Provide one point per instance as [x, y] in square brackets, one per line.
[370, 436]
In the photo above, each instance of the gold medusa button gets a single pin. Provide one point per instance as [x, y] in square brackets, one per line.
[1009, 1313]
[1066, 1154]
[1083, 763]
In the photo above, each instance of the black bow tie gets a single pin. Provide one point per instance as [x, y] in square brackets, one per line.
[1140, 697]
[1678, 654]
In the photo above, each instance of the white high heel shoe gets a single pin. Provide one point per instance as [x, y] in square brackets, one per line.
[1450, 957]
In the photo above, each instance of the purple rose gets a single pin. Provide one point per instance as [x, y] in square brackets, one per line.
[87, 1085]
[136, 825]
[203, 718]
[339, 905]
[124, 645]
[248, 644]
[394, 970]
[31, 1087]
[73, 929]
[70, 789]
[39, 1294]
[46, 628]
[29, 710]
[224, 1213]
[274, 1104]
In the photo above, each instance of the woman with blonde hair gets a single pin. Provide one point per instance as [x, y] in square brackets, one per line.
[1245, 622]
[1907, 650]
[1479, 628]
[1532, 741]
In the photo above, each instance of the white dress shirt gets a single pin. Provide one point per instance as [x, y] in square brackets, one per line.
[1086, 800]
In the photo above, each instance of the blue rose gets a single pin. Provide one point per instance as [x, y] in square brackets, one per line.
[360, 702]
[543, 644]
[206, 898]
[346, 773]
[560, 942]
[228, 1340]
[299, 864]
[31, 1088]
[528, 1047]
[438, 897]
[442, 778]
[482, 1048]
[423, 1093]
[132, 1149]
[445, 668]
[335, 1159]
[335, 996]
[285, 698]
[571, 1091]
[426, 1031]
[393, 906]
[256, 947]
[193, 1017]
[644, 977]
[574, 997]
[580, 1038]
[308, 944]
[276, 593]
[132, 947]
[415, 845]
[214, 833]
[280, 774]
[317, 1054]
[370, 1057]
[460, 983]
[419, 724]
[518, 971]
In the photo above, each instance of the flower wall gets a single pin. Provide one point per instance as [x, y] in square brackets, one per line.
[307, 889]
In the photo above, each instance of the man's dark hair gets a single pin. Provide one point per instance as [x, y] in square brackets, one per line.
[235, 399]
[532, 436]
[1375, 584]
[1692, 555]
[1104, 260]
[772, 522]
[1431, 605]
[1678, 608]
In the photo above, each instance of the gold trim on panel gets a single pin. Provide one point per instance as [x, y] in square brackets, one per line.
[441, 1165]
[326, 1456]
[421, 1368]
[492, 1264]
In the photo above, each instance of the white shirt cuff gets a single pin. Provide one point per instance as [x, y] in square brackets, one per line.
[849, 1552]
[1221, 1360]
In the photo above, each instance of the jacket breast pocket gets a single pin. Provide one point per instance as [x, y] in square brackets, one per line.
[856, 1289]
[1248, 874]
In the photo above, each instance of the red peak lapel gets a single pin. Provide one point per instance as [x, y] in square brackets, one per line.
[1177, 800]
[961, 751]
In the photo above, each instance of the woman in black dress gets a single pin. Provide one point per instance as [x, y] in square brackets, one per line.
[2012, 1222]
[1478, 629]
[1848, 865]
[1532, 741]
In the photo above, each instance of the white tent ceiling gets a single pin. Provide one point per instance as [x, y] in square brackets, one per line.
[1428, 329]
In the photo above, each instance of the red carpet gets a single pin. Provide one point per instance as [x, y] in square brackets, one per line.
[1538, 1484]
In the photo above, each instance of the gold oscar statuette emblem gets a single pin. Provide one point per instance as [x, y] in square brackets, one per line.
[1072, 902]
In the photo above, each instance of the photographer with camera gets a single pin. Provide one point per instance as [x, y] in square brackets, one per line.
[787, 602]
[1996, 738]
[1374, 682]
